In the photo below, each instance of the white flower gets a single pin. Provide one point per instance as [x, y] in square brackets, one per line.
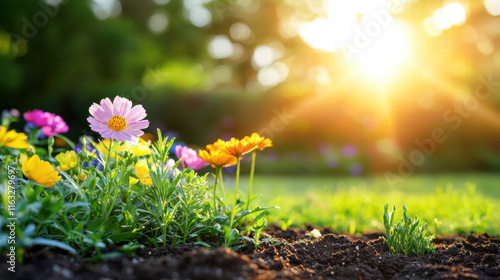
[314, 234]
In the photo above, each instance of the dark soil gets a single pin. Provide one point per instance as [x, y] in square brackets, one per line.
[292, 256]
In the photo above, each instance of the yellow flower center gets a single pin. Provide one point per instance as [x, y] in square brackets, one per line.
[117, 123]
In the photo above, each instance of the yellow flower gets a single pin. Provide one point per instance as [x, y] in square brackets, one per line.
[261, 142]
[67, 160]
[237, 147]
[217, 158]
[83, 176]
[103, 147]
[142, 172]
[133, 180]
[139, 149]
[39, 171]
[12, 139]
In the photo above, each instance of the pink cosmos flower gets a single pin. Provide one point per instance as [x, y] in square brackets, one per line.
[118, 120]
[49, 122]
[189, 157]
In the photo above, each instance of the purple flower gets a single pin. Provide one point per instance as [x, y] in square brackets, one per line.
[189, 158]
[170, 168]
[167, 169]
[10, 113]
[14, 113]
[355, 169]
[49, 122]
[349, 151]
[90, 149]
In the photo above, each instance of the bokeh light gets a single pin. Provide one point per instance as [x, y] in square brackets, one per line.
[158, 23]
[493, 7]
[200, 16]
[220, 47]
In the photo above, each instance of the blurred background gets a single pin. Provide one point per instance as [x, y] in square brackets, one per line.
[350, 87]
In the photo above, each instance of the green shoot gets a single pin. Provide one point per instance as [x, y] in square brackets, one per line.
[406, 237]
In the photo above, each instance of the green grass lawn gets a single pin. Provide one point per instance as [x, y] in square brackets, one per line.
[453, 203]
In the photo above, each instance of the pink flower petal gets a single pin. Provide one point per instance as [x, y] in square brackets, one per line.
[97, 111]
[134, 132]
[124, 135]
[137, 113]
[121, 106]
[47, 130]
[114, 135]
[178, 151]
[96, 121]
[99, 126]
[101, 130]
[105, 133]
[61, 128]
[107, 106]
[28, 116]
[138, 125]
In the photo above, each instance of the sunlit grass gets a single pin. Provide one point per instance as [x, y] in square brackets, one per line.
[449, 204]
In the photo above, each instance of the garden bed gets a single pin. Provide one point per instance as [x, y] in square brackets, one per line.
[292, 256]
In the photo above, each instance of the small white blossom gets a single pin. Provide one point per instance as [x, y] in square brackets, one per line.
[314, 234]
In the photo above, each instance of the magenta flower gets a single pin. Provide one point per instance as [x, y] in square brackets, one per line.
[49, 122]
[118, 120]
[189, 157]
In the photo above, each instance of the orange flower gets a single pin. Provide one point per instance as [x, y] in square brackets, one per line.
[261, 142]
[217, 158]
[215, 146]
[237, 147]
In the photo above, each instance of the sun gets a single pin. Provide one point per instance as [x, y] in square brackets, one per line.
[373, 42]
[385, 54]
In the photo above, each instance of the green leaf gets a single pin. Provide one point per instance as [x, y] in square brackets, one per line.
[130, 248]
[154, 242]
[242, 214]
[54, 243]
[261, 215]
[203, 244]
[95, 224]
[100, 258]
[29, 230]
[121, 237]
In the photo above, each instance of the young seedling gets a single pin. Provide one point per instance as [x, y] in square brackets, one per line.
[406, 237]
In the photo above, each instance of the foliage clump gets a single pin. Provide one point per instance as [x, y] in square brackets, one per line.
[406, 236]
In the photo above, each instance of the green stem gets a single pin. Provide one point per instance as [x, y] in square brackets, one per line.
[111, 142]
[222, 184]
[186, 229]
[217, 169]
[250, 184]
[233, 209]
[164, 235]
[50, 144]
[107, 191]
[116, 190]
[79, 170]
